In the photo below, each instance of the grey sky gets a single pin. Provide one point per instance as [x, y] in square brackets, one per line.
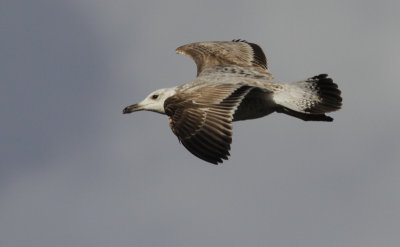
[74, 171]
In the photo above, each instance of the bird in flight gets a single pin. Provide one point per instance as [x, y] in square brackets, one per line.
[233, 83]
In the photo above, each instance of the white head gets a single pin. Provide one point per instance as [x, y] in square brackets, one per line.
[153, 102]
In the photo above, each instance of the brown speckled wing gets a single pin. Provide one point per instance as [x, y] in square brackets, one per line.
[203, 122]
[237, 52]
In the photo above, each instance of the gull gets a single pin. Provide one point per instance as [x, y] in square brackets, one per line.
[233, 83]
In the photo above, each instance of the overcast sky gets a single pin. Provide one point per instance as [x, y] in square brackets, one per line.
[74, 171]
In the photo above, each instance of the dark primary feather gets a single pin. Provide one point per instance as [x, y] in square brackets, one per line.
[238, 53]
[259, 56]
[205, 129]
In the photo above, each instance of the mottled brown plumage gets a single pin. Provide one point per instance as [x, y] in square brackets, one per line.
[235, 53]
[202, 125]
[233, 83]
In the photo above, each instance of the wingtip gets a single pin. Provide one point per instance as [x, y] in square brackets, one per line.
[240, 40]
[180, 50]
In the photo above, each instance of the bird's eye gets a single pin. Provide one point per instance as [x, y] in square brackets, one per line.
[154, 96]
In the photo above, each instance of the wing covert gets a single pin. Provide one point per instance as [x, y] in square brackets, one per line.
[236, 52]
[205, 129]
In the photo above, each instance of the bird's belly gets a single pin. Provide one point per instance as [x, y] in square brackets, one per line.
[253, 108]
[257, 103]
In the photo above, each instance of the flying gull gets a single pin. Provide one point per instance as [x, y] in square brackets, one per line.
[233, 83]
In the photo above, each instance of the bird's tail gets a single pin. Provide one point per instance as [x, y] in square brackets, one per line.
[309, 99]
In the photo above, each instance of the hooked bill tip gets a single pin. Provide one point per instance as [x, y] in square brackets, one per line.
[125, 110]
[131, 108]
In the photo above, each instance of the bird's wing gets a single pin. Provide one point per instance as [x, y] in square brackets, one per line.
[202, 121]
[236, 52]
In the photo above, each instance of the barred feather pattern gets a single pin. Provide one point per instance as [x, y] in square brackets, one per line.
[315, 95]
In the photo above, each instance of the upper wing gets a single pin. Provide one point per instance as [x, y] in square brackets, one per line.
[236, 52]
[203, 122]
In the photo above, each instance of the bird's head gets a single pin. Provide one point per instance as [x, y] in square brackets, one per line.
[153, 102]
